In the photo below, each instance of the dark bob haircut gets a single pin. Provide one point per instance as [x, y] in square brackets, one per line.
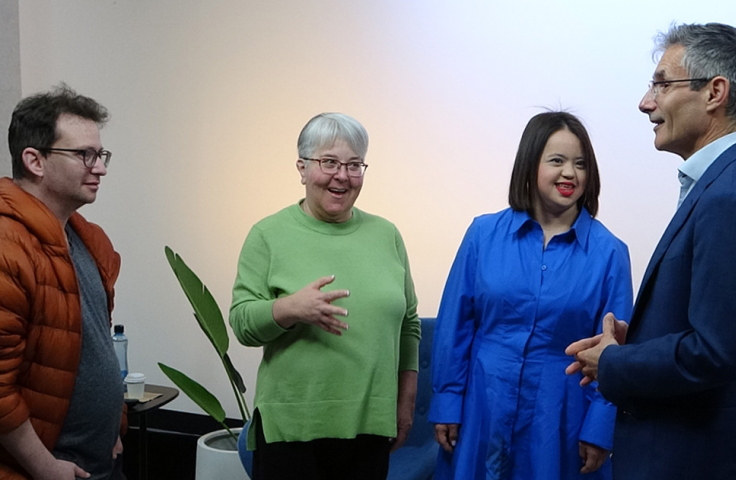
[523, 187]
[34, 121]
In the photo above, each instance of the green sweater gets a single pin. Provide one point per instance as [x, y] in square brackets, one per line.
[312, 384]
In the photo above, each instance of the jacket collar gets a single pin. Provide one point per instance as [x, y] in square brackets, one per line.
[683, 213]
[26, 209]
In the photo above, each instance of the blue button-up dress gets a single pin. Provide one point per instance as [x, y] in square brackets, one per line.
[509, 309]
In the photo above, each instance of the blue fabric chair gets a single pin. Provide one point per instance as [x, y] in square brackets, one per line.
[416, 459]
[245, 456]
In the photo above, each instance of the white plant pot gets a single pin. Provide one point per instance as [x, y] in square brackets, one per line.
[217, 457]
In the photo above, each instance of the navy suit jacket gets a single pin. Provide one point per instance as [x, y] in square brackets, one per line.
[675, 379]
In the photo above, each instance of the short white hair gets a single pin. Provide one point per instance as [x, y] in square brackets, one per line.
[323, 130]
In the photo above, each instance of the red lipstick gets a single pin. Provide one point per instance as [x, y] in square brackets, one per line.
[565, 189]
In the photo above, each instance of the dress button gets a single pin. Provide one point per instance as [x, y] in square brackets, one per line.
[544, 267]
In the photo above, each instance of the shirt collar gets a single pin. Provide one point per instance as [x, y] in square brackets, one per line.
[580, 227]
[695, 166]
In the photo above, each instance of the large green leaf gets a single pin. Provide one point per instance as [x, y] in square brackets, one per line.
[210, 319]
[234, 374]
[200, 395]
[206, 310]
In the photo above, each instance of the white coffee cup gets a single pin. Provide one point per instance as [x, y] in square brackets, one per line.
[136, 383]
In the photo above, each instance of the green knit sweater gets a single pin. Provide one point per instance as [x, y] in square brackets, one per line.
[312, 384]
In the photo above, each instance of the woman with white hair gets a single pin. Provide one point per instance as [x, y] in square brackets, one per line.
[326, 289]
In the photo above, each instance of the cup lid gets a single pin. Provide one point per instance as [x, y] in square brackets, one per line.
[135, 378]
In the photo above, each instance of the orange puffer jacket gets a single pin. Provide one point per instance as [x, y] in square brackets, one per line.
[40, 314]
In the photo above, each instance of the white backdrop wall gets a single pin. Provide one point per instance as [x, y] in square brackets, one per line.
[207, 99]
[9, 74]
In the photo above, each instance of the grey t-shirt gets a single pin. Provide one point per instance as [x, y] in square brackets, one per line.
[92, 423]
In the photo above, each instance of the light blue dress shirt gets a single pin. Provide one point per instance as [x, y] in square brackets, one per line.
[694, 167]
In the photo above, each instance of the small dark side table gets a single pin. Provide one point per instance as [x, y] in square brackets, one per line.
[142, 410]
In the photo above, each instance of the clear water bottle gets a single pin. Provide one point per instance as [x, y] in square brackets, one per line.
[120, 343]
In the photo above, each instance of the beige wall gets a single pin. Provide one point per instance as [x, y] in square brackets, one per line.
[207, 99]
[9, 75]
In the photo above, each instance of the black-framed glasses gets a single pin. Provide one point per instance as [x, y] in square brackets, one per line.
[330, 166]
[89, 156]
[660, 86]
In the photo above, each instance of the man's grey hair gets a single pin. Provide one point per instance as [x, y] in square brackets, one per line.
[323, 130]
[710, 51]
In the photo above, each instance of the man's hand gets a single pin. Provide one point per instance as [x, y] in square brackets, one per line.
[446, 435]
[118, 448]
[60, 470]
[312, 306]
[593, 456]
[588, 351]
[405, 407]
[28, 450]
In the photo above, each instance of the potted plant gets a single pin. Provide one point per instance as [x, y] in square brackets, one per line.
[210, 319]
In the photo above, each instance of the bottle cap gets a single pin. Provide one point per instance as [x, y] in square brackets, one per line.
[119, 329]
[135, 378]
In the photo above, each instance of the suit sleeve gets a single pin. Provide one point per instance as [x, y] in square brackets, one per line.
[617, 298]
[703, 355]
[453, 335]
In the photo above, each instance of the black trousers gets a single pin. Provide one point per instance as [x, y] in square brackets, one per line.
[362, 458]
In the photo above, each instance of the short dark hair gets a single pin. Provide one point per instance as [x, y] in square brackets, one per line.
[523, 187]
[34, 121]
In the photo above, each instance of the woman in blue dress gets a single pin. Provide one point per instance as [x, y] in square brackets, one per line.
[526, 282]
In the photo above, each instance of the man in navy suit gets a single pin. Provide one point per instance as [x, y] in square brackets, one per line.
[674, 381]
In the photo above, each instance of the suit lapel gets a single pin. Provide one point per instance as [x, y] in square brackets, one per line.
[677, 222]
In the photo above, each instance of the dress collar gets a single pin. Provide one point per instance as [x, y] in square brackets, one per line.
[580, 227]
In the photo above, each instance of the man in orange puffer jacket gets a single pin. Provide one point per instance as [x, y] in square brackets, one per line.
[61, 395]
